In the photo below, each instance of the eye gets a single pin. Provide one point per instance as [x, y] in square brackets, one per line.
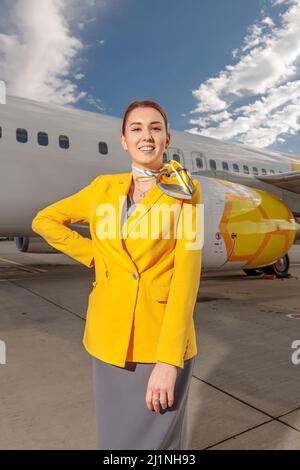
[155, 128]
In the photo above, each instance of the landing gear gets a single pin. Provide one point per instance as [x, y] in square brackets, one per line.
[22, 243]
[279, 269]
[253, 272]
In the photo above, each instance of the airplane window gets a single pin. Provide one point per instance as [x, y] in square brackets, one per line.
[42, 138]
[263, 170]
[103, 148]
[235, 167]
[272, 171]
[246, 169]
[64, 142]
[199, 162]
[212, 164]
[176, 157]
[255, 170]
[225, 166]
[21, 135]
[165, 157]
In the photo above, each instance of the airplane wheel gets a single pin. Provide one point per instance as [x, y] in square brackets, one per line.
[22, 243]
[280, 268]
[253, 272]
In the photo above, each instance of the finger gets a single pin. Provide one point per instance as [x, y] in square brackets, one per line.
[155, 402]
[149, 399]
[163, 399]
[171, 397]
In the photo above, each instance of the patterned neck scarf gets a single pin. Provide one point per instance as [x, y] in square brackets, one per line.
[172, 178]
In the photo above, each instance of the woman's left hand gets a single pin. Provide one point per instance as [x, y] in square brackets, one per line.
[161, 386]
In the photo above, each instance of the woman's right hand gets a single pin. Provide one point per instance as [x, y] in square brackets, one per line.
[161, 386]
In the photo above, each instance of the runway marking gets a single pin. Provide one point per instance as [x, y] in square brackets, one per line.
[23, 266]
[50, 301]
[273, 418]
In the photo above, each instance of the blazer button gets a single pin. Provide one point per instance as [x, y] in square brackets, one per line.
[106, 273]
[135, 275]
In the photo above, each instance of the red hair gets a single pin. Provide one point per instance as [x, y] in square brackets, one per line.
[144, 104]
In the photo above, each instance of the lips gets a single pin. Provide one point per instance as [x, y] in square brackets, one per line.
[147, 148]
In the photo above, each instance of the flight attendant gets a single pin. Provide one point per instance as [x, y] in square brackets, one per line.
[139, 329]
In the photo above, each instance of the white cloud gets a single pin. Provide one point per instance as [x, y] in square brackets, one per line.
[217, 117]
[96, 102]
[279, 2]
[266, 72]
[79, 76]
[234, 53]
[268, 21]
[39, 53]
[85, 23]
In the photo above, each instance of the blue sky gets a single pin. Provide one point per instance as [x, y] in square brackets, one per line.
[228, 69]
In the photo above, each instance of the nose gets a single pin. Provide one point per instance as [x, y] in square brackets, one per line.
[146, 135]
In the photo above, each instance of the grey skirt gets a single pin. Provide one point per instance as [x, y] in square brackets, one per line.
[123, 420]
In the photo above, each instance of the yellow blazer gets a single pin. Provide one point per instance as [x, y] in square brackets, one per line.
[142, 301]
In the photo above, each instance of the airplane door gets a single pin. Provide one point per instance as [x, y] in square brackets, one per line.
[199, 162]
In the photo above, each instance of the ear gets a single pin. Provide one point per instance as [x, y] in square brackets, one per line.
[123, 142]
[168, 138]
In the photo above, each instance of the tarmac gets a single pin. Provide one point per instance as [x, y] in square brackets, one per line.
[245, 390]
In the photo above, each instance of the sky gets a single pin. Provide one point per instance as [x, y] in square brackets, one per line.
[228, 69]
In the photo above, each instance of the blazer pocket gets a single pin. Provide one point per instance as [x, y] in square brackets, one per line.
[160, 291]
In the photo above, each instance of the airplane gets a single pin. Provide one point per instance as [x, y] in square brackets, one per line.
[251, 196]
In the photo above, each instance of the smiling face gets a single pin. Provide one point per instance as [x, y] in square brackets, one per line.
[145, 137]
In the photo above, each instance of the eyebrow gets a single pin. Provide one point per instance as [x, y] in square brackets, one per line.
[153, 122]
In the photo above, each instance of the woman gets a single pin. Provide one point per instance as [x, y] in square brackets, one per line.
[139, 328]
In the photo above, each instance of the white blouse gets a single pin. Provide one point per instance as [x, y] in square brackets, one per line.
[128, 208]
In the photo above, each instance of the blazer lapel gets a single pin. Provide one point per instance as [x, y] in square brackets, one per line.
[152, 196]
[116, 196]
